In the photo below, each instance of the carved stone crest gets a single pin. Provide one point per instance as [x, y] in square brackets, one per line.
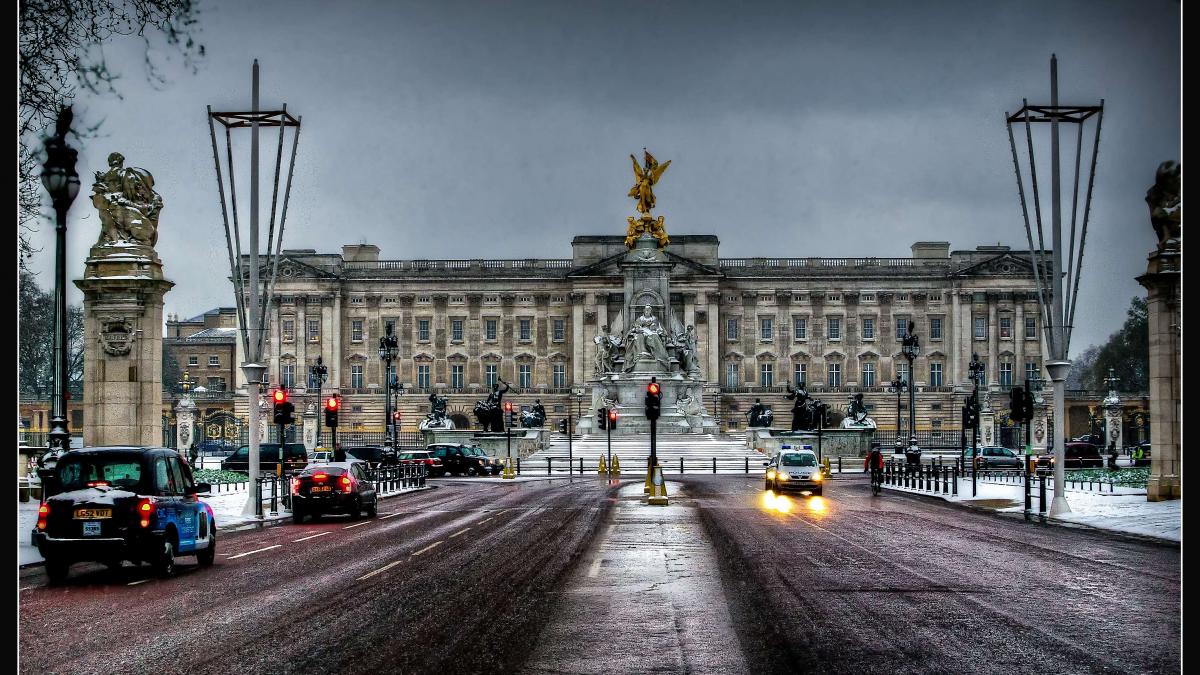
[116, 335]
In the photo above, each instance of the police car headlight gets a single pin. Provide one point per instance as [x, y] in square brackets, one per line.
[816, 476]
[783, 476]
[770, 475]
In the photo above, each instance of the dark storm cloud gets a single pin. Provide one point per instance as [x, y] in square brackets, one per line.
[446, 129]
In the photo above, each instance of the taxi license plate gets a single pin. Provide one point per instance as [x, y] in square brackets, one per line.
[92, 514]
[322, 488]
[91, 528]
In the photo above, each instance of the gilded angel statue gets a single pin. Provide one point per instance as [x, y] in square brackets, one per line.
[647, 178]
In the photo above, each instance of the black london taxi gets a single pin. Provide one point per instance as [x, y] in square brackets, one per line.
[110, 504]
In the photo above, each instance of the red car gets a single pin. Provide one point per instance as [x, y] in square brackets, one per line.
[1076, 456]
[433, 465]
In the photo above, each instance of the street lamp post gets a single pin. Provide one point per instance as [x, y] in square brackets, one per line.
[898, 386]
[976, 367]
[317, 374]
[62, 182]
[387, 353]
[911, 348]
[394, 391]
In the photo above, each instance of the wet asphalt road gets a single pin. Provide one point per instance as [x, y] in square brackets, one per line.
[852, 583]
[548, 577]
[441, 581]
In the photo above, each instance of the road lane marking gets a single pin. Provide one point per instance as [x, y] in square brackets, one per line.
[595, 570]
[253, 552]
[393, 515]
[433, 545]
[464, 531]
[380, 570]
[135, 583]
[484, 521]
[365, 522]
[296, 541]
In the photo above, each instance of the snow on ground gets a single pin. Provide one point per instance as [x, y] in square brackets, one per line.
[1125, 510]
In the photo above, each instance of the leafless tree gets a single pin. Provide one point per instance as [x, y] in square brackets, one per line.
[62, 52]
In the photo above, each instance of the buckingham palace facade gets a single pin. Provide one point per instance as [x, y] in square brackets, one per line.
[761, 323]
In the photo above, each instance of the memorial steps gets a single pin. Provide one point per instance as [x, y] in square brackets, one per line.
[697, 451]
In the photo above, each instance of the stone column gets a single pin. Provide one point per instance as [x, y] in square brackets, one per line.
[993, 339]
[579, 353]
[185, 423]
[954, 339]
[714, 337]
[1019, 339]
[1162, 282]
[123, 289]
[336, 362]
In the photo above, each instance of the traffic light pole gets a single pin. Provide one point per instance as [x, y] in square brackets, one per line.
[608, 467]
[570, 454]
[974, 444]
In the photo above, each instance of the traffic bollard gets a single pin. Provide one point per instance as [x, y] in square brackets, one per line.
[1042, 498]
[714, 465]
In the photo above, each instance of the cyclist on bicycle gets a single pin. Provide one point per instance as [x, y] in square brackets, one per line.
[874, 464]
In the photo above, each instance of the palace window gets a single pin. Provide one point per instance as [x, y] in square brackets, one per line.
[835, 328]
[731, 328]
[489, 374]
[1031, 370]
[766, 328]
[356, 334]
[833, 297]
[356, 376]
[901, 326]
[559, 376]
[422, 376]
[389, 324]
[1006, 327]
[800, 373]
[525, 298]
[314, 330]
[902, 372]
[423, 330]
[800, 329]
[424, 299]
[489, 329]
[867, 297]
[835, 374]
[458, 299]
[1006, 373]
[356, 301]
[526, 330]
[1030, 328]
[868, 329]
[731, 375]
[456, 375]
[216, 384]
[214, 362]
[524, 376]
[868, 374]
[935, 328]
[935, 374]
[193, 361]
[935, 297]
[456, 330]
[389, 301]
[289, 330]
[288, 375]
[766, 374]
[980, 328]
[560, 330]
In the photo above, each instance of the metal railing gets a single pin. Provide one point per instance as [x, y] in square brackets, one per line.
[826, 262]
[460, 264]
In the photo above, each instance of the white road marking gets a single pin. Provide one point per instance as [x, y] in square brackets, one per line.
[135, 583]
[433, 545]
[253, 552]
[458, 533]
[393, 515]
[595, 569]
[484, 521]
[365, 522]
[314, 536]
[380, 570]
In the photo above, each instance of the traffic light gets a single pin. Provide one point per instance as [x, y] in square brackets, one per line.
[612, 418]
[970, 415]
[508, 409]
[562, 426]
[331, 411]
[396, 418]
[283, 407]
[653, 399]
[1016, 404]
[602, 418]
[1028, 405]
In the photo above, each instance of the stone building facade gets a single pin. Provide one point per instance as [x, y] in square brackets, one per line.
[762, 323]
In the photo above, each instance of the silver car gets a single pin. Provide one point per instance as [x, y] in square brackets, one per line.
[996, 457]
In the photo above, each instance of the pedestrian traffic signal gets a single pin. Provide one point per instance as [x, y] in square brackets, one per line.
[653, 399]
[509, 410]
[970, 416]
[562, 426]
[602, 418]
[612, 418]
[1016, 404]
[331, 411]
[283, 407]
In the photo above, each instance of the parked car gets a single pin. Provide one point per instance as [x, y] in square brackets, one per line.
[1075, 456]
[336, 487]
[111, 504]
[796, 470]
[372, 454]
[492, 466]
[995, 457]
[295, 458]
[216, 448]
[432, 464]
[459, 459]
[320, 457]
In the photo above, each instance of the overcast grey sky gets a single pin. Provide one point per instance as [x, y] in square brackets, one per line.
[440, 129]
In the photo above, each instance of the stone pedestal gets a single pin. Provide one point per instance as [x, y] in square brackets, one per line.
[987, 421]
[123, 289]
[1113, 423]
[309, 420]
[1040, 434]
[185, 423]
[1162, 283]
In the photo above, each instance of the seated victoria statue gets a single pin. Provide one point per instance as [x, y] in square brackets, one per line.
[646, 339]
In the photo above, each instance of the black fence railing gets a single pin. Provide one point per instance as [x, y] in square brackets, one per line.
[938, 439]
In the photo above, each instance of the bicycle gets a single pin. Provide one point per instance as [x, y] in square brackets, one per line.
[876, 482]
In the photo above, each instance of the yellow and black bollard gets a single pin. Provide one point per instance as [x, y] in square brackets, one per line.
[616, 466]
[603, 468]
[659, 485]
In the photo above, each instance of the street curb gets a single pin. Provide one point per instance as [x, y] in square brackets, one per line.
[253, 525]
[1018, 515]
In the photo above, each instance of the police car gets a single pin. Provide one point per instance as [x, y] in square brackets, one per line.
[795, 470]
[111, 504]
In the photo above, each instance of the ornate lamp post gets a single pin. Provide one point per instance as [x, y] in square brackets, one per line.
[976, 367]
[61, 181]
[897, 387]
[317, 374]
[912, 349]
[387, 353]
[394, 390]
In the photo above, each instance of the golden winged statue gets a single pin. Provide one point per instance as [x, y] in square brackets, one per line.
[647, 178]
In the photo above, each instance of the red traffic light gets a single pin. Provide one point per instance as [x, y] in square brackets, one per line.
[652, 388]
[396, 415]
[508, 406]
[612, 414]
[331, 403]
[280, 396]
